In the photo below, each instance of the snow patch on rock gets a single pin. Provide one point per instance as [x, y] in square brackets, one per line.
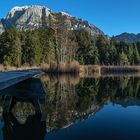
[66, 14]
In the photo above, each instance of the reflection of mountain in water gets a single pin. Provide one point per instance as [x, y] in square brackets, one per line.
[21, 111]
[69, 100]
[129, 102]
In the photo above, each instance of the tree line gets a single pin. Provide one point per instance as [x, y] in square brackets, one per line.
[62, 46]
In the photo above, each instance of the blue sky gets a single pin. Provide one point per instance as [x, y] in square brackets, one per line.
[111, 16]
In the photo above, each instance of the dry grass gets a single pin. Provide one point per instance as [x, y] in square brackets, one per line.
[7, 68]
[89, 70]
[2, 68]
[73, 67]
[44, 67]
[120, 69]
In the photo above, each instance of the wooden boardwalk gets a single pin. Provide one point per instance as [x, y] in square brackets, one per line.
[8, 79]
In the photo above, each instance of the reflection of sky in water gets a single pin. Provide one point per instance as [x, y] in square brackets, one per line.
[113, 122]
[1, 133]
[115, 104]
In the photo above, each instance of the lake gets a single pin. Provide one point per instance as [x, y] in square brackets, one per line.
[71, 108]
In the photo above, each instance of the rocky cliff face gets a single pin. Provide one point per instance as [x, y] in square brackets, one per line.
[33, 17]
[1, 27]
[24, 18]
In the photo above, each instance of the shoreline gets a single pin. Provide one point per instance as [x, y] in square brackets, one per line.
[90, 70]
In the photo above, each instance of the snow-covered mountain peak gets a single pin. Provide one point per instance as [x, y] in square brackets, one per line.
[34, 17]
[15, 9]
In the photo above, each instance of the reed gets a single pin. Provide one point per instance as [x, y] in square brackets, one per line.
[119, 69]
[2, 68]
[72, 67]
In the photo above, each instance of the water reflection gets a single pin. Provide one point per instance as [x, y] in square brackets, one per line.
[21, 111]
[32, 129]
[67, 100]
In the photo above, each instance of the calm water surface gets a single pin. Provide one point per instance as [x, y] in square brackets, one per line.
[71, 108]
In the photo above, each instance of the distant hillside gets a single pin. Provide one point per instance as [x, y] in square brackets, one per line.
[128, 37]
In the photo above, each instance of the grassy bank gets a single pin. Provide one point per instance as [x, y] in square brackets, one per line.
[54, 68]
[119, 69]
[75, 68]
[93, 70]
[12, 68]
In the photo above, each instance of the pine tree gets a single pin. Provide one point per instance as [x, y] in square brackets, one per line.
[123, 60]
[136, 55]
[103, 45]
[11, 48]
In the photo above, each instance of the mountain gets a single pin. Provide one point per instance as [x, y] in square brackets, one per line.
[128, 37]
[128, 101]
[34, 17]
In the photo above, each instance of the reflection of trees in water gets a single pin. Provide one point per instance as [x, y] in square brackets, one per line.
[69, 99]
[119, 89]
[67, 102]
[61, 98]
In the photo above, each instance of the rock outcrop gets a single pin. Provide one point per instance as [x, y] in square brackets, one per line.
[1, 27]
[34, 17]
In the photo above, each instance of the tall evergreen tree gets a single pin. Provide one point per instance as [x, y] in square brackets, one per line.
[11, 48]
[136, 55]
[123, 60]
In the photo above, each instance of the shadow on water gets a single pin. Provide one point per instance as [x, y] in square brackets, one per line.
[21, 111]
[33, 128]
[41, 108]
